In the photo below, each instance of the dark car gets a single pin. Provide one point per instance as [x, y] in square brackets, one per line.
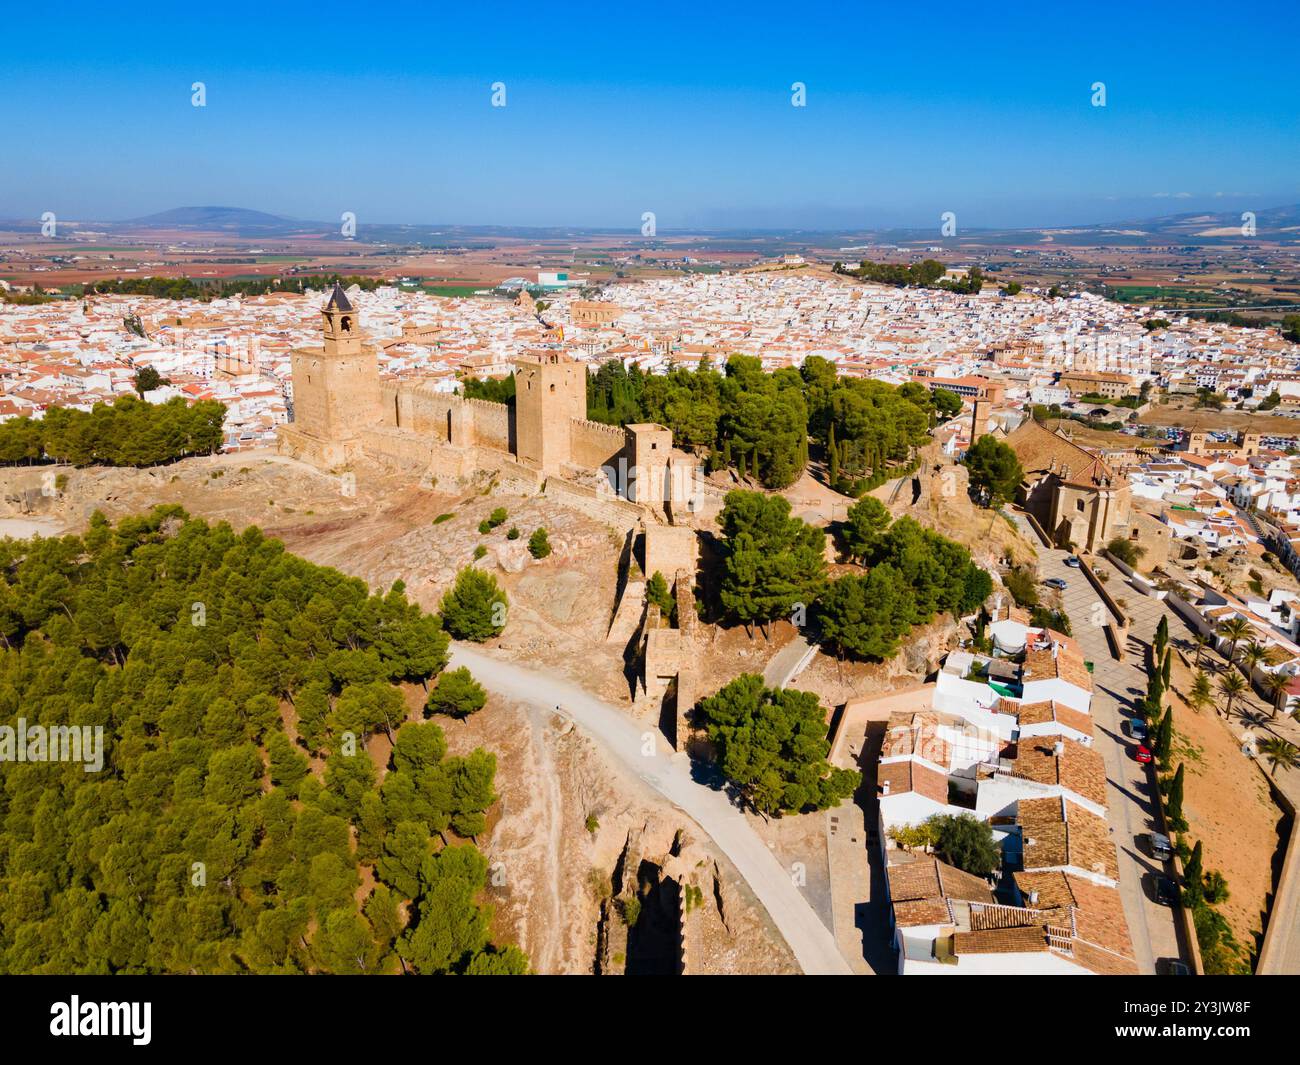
[1165, 890]
[1172, 967]
[1135, 727]
[1159, 846]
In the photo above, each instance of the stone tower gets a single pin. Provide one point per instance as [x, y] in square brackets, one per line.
[550, 391]
[335, 388]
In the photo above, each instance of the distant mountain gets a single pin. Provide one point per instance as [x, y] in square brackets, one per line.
[1205, 223]
[238, 219]
[1280, 224]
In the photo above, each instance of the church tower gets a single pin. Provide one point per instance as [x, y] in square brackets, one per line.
[335, 388]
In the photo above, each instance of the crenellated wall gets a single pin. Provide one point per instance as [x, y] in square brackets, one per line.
[593, 444]
[490, 422]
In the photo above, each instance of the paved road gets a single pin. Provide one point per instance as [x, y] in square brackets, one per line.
[813, 945]
[1130, 808]
[788, 662]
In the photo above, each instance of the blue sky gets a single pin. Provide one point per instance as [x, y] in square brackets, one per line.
[680, 109]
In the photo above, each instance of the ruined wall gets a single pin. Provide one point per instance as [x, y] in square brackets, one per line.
[323, 454]
[616, 513]
[669, 548]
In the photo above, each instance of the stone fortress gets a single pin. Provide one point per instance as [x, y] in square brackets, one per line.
[632, 478]
[344, 415]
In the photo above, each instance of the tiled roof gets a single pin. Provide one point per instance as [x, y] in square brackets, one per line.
[1058, 832]
[1078, 768]
[911, 775]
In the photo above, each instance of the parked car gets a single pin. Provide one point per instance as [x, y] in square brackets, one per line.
[1056, 582]
[1165, 890]
[1142, 753]
[1136, 727]
[1073, 562]
[1172, 967]
[1159, 846]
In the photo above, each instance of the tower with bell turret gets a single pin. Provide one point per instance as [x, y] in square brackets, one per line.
[335, 387]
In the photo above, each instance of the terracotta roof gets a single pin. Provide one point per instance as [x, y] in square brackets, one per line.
[911, 733]
[1050, 711]
[927, 876]
[911, 775]
[1000, 941]
[1042, 451]
[1093, 912]
[1078, 768]
[1058, 832]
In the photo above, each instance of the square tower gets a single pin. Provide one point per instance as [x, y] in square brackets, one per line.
[550, 391]
[336, 387]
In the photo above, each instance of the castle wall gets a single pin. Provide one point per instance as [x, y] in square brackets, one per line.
[323, 454]
[490, 422]
[669, 548]
[617, 513]
[593, 445]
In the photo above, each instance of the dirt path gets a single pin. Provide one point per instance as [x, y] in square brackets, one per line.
[644, 753]
[549, 953]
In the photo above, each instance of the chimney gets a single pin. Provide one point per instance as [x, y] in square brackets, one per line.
[1058, 748]
[884, 788]
[1033, 898]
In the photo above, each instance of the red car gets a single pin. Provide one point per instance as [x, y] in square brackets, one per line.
[1141, 753]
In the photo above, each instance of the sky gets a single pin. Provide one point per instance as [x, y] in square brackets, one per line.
[683, 110]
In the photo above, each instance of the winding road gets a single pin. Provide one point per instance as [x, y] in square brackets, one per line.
[810, 940]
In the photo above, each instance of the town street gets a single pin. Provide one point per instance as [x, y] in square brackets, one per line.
[812, 943]
[1130, 805]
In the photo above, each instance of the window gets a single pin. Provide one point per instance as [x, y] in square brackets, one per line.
[1078, 505]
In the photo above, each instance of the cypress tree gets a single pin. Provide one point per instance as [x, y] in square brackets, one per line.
[1174, 799]
[834, 454]
[1164, 739]
[1194, 874]
[1166, 668]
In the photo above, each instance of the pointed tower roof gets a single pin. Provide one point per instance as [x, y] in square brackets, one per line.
[338, 300]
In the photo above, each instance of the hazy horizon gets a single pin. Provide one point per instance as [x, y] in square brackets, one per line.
[685, 112]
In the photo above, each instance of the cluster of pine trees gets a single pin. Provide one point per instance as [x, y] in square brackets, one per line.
[128, 432]
[188, 288]
[760, 423]
[774, 565]
[238, 813]
[772, 744]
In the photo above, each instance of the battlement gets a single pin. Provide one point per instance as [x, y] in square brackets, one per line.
[586, 425]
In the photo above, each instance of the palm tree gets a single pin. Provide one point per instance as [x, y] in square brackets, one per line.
[1276, 685]
[1252, 655]
[1280, 752]
[1201, 641]
[1234, 630]
[1231, 686]
[1200, 696]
